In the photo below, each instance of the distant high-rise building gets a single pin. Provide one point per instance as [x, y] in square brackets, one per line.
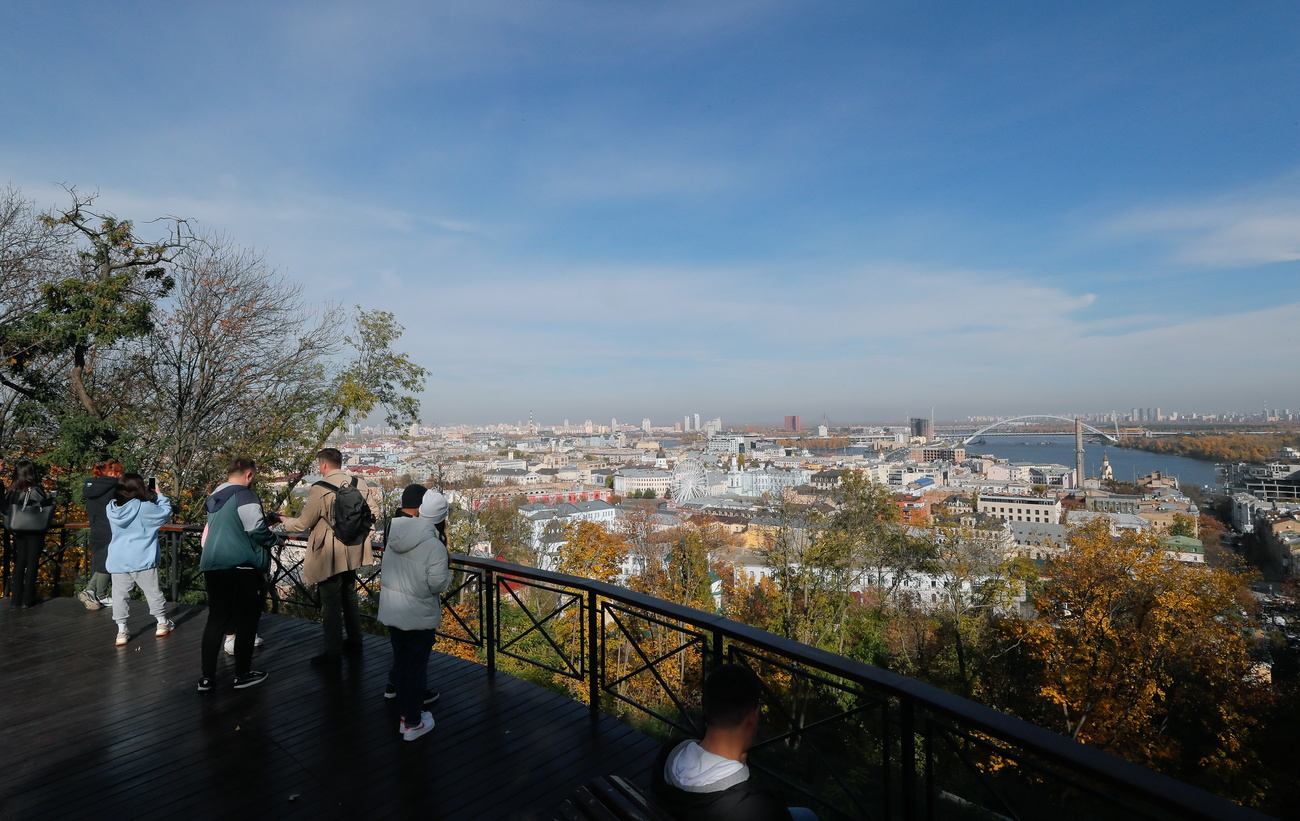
[686, 423]
[792, 424]
[645, 424]
[922, 428]
[697, 421]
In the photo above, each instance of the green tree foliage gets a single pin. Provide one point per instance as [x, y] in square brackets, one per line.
[87, 282]
[817, 563]
[1183, 525]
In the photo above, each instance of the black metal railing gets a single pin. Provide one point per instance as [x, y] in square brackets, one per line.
[854, 740]
[850, 739]
[65, 561]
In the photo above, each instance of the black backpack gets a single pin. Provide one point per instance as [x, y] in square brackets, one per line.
[353, 518]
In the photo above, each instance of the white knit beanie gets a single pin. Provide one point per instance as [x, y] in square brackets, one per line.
[434, 506]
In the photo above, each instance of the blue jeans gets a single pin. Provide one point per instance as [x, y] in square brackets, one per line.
[410, 672]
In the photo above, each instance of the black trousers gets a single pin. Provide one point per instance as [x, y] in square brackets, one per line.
[236, 599]
[410, 671]
[27, 559]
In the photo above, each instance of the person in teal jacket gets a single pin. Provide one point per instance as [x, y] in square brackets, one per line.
[236, 554]
[134, 516]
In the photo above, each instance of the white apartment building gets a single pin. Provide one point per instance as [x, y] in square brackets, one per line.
[629, 480]
[1020, 508]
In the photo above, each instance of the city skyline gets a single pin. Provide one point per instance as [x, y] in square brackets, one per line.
[751, 209]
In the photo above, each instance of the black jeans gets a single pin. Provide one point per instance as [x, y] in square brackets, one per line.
[236, 599]
[27, 560]
[410, 671]
[340, 608]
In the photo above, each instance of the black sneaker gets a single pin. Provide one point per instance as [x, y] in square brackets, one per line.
[205, 684]
[249, 679]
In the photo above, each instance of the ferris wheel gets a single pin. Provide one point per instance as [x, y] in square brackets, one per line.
[688, 479]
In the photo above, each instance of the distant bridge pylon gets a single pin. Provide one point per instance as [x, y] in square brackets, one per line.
[1110, 439]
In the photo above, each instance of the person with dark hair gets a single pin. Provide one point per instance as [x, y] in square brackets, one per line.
[415, 572]
[709, 779]
[134, 516]
[97, 492]
[331, 564]
[236, 555]
[25, 490]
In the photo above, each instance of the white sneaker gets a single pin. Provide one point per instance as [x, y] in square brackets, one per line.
[411, 733]
[230, 644]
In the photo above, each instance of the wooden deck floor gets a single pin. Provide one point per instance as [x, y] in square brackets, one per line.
[90, 730]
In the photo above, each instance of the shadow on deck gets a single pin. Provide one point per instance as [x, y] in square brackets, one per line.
[92, 730]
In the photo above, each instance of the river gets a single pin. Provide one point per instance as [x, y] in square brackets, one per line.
[1126, 464]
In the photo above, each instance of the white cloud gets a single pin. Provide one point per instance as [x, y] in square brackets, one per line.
[1254, 227]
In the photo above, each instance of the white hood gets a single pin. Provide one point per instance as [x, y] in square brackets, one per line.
[695, 769]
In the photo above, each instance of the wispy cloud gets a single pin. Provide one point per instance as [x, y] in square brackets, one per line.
[1253, 227]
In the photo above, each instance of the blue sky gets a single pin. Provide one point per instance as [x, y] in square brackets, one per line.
[744, 209]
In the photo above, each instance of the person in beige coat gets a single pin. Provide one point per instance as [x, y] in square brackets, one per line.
[330, 564]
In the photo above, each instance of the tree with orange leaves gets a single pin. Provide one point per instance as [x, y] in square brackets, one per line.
[592, 551]
[1144, 656]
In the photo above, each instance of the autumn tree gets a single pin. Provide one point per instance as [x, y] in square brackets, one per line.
[819, 563]
[374, 376]
[591, 551]
[1183, 524]
[1143, 656]
[234, 365]
[974, 575]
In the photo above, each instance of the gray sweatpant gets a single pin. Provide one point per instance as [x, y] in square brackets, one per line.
[147, 581]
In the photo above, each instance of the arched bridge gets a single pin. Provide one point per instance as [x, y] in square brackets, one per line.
[1002, 422]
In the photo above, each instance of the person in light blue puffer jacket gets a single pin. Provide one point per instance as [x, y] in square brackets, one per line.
[414, 572]
[134, 515]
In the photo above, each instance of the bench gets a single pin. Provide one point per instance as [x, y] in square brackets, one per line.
[610, 798]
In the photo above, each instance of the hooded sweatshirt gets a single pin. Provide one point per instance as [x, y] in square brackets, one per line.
[694, 784]
[135, 534]
[98, 492]
[414, 572]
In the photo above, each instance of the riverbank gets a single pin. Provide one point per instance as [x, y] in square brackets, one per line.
[1230, 447]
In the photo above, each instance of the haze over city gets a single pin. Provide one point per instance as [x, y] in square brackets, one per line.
[746, 210]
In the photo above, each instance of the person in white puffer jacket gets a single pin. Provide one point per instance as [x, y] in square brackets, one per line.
[413, 575]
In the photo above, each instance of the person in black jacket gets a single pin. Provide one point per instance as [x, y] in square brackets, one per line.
[26, 488]
[97, 492]
[709, 779]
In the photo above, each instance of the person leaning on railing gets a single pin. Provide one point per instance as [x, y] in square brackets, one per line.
[236, 555]
[331, 564]
[709, 779]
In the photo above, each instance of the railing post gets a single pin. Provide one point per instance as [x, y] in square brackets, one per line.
[489, 604]
[595, 664]
[56, 575]
[174, 541]
[907, 759]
